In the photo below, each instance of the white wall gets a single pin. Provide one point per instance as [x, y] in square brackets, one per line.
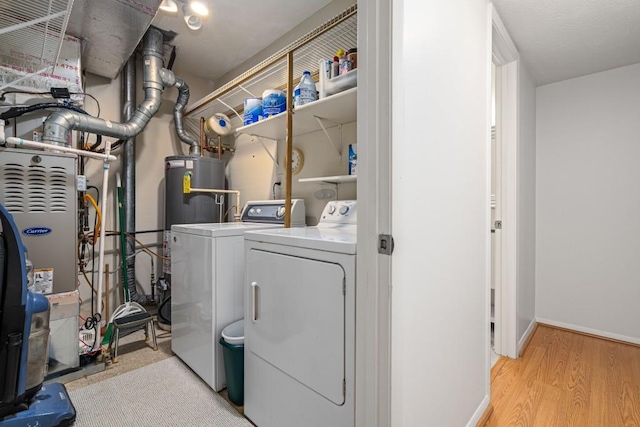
[526, 205]
[441, 212]
[321, 159]
[588, 203]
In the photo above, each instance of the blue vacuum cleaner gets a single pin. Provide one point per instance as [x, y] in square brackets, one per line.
[24, 338]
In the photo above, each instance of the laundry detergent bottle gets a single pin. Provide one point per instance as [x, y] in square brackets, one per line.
[305, 91]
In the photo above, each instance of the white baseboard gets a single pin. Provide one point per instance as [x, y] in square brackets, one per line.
[479, 412]
[526, 334]
[597, 332]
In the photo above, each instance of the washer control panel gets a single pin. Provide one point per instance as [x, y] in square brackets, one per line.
[340, 212]
[272, 212]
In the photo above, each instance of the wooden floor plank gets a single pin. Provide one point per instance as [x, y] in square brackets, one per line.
[568, 379]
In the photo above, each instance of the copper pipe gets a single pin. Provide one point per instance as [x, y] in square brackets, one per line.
[287, 155]
[202, 137]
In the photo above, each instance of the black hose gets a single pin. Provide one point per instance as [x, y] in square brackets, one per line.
[164, 314]
[19, 111]
[97, 143]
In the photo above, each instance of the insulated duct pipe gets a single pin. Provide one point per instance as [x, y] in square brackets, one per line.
[178, 112]
[129, 173]
[171, 79]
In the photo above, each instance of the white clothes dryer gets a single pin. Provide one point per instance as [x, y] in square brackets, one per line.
[300, 322]
[207, 294]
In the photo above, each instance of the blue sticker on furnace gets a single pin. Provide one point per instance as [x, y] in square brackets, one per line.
[36, 231]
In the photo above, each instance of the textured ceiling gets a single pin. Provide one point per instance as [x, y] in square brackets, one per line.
[233, 32]
[563, 39]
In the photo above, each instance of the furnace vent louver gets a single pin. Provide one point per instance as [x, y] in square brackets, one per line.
[14, 188]
[35, 189]
[37, 178]
[58, 189]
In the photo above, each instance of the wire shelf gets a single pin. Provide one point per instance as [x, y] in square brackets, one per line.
[320, 44]
[31, 35]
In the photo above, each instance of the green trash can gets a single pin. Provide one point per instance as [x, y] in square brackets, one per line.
[232, 341]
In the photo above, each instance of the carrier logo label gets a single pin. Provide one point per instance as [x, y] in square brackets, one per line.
[36, 231]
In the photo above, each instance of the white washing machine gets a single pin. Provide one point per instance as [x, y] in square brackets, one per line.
[300, 322]
[207, 294]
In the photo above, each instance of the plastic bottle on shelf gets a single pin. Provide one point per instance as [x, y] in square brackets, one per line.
[352, 55]
[335, 67]
[305, 91]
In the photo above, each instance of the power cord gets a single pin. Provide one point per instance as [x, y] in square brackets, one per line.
[273, 189]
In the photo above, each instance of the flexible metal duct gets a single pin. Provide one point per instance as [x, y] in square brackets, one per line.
[171, 79]
[178, 112]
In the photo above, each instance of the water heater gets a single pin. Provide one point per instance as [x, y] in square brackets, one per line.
[194, 207]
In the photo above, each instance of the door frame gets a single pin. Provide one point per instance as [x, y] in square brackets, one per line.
[507, 60]
[373, 270]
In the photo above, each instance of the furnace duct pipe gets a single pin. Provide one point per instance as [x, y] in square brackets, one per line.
[58, 126]
[129, 173]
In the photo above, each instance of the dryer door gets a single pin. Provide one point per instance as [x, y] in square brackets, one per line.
[298, 320]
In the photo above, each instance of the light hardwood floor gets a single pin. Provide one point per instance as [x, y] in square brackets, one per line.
[567, 379]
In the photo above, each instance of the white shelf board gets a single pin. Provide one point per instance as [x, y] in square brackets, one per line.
[331, 179]
[336, 109]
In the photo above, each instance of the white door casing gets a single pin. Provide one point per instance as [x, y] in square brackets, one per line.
[373, 296]
[506, 58]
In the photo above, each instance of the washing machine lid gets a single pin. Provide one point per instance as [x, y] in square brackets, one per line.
[223, 229]
[339, 239]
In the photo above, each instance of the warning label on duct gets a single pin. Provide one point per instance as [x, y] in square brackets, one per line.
[42, 281]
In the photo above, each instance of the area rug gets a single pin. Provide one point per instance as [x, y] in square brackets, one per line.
[165, 393]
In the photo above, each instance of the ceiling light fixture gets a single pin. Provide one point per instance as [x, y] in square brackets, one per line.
[193, 22]
[192, 10]
[169, 6]
[199, 7]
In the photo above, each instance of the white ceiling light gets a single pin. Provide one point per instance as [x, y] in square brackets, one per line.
[191, 11]
[199, 7]
[193, 22]
[169, 6]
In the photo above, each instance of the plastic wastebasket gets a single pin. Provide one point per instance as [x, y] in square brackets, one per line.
[232, 341]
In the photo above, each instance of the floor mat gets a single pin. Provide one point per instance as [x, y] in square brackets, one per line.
[165, 393]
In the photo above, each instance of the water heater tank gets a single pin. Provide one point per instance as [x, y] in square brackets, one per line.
[191, 208]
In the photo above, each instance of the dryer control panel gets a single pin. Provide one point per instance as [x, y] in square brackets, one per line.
[272, 212]
[340, 212]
